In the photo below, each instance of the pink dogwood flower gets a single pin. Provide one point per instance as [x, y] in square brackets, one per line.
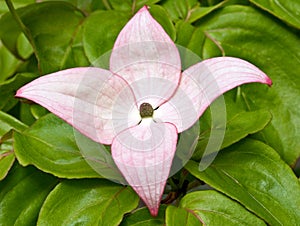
[141, 104]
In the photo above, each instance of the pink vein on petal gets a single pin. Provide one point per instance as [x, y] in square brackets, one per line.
[144, 155]
[146, 57]
[93, 100]
[202, 83]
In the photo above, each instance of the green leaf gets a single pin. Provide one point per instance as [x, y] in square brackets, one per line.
[190, 10]
[238, 126]
[142, 217]
[288, 11]
[45, 21]
[98, 5]
[211, 208]
[198, 12]
[162, 17]
[7, 123]
[17, 4]
[180, 217]
[178, 9]
[7, 157]
[87, 202]
[75, 57]
[8, 63]
[98, 40]
[38, 111]
[84, 5]
[24, 47]
[9, 87]
[184, 33]
[26, 115]
[253, 174]
[275, 50]
[6, 163]
[129, 5]
[22, 194]
[50, 145]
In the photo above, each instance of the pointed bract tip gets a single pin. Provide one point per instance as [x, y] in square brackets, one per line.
[269, 81]
[19, 93]
[153, 211]
[144, 8]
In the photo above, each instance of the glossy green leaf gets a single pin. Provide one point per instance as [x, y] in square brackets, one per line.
[7, 157]
[275, 50]
[8, 63]
[50, 145]
[75, 56]
[69, 48]
[9, 33]
[17, 4]
[26, 115]
[238, 126]
[288, 11]
[190, 37]
[253, 174]
[38, 111]
[6, 162]
[84, 5]
[7, 122]
[199, 12]
[87, 202]
[184, 34]
[181, 217]
[99, 5]
[9, 87]
[190, 10]
[162, 17]
[210, 208]
[98, 40]
[44, 21]
[180, 10]
[22, 194]
[142, 217]
[129, 5]
[24, 47]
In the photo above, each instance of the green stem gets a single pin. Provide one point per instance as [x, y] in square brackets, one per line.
[24, 29]
[133, 6]
[172, 184]
[238, 94]
[184, 174]
[18, 19]
[106, 5]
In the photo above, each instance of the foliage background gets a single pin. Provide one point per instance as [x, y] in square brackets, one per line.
[254, 179]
